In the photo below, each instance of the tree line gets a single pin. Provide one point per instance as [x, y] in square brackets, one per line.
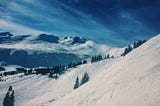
[55, 71]
[129, 48]
[52, 71]
[97, 58]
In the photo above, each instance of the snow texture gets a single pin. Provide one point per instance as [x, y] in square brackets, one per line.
[133, 80]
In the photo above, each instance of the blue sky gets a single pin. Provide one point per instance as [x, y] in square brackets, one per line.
[116, 22]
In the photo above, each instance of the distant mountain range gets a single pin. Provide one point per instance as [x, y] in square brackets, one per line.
[49, 50]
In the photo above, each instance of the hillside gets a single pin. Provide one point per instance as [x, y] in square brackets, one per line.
[34, 90]
[133, 80]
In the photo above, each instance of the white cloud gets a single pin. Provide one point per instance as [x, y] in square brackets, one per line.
[16, 28]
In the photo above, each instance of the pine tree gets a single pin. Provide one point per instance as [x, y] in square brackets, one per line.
[6, 100]
[108, 56]
[92, 59]
[51, 75]
[127, 50]
[85, 78]
[9, 98]
[100, 58]
[70, 65]
[135, 45]
[10, 88]
[84, 62]
[76, 85]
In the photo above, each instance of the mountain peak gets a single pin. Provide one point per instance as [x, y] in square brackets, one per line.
[78, 40]
[73, 40]
[48, 38]
[5, 34]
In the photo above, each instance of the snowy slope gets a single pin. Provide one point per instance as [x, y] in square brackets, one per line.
[35, 90]
[112, 82]
[131, 81]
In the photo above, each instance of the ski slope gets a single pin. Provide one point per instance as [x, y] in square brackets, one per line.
[133, 80]
[36, 90]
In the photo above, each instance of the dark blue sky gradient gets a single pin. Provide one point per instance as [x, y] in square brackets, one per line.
[116, 22]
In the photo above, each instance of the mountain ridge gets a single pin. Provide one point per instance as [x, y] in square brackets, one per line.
[52, 48]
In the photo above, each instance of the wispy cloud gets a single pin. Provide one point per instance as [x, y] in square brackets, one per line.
[57, 18]
[16, 28]
[111, 24]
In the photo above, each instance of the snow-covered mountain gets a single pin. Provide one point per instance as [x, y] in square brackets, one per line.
[132, 80]
[49, 50]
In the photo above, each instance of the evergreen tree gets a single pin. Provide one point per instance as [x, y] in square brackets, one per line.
[74, 64]
[127, 50]
[10, 88]
[6, 100]
[96, 58]
[70, 65]
[84, 62]
[108, 56]
[51, 75]
[99, 58]
[85, 78]
[56, 73]
[76, 85]
[135, 45]
[92, 59]
[9, 98]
